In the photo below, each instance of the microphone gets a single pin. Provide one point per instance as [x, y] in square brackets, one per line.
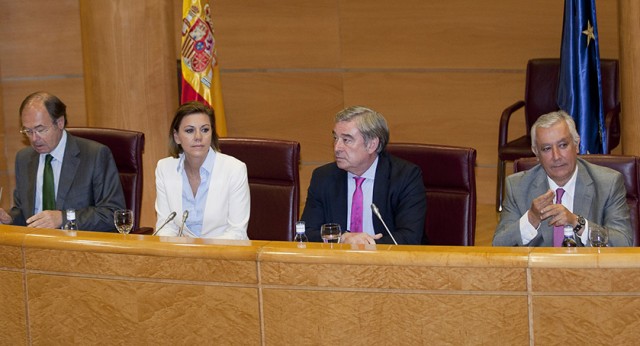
[169, 218]
[377, 212]
[185, 215]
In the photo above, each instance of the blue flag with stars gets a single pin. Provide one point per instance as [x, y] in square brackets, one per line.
[580, 84]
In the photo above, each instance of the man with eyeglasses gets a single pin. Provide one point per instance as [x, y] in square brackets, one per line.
[60, 171]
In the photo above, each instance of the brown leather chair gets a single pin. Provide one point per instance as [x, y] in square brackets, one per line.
[629, 166]
[449, 178]
[540, 97]
[274, 183]
[126, 147]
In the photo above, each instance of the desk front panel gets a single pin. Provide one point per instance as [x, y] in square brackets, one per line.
[85, 287]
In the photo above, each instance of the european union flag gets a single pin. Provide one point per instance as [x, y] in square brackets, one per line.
[580, 85]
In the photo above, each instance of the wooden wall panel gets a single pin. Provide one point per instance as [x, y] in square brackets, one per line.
[40, 38]
[446, 108]
[312, 293]
[607, 11]
[13, 329]
[458, 34]
[342, 318]
[40, 50]
[139, 297]
[296, 106]
[486, 179]
[69, 90]
[605, 317]
[288, 66]
[134, 312]
[277, 34]
[630, 75]
[451, 34]
[130, 76]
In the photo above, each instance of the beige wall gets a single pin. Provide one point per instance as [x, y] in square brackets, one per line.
[441, 72]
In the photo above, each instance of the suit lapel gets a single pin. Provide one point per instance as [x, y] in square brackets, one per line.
[584, 192]
[32, 171]
[381, 186]
[539, 185]
[70, 164]
[174, 188]
[339, 208]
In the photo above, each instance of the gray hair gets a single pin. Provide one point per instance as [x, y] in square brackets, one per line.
[547, 120]
[369, 122]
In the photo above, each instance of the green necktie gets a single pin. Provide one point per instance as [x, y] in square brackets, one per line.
[48, 188]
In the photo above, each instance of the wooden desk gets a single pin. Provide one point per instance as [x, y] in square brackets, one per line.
[88, 287]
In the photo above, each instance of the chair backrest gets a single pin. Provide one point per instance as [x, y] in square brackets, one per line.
[629, 166]
[449, 178]
[541, 88]
[274, 183]
[126, 147]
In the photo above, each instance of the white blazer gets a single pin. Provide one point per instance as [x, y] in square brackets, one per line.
[227, 209]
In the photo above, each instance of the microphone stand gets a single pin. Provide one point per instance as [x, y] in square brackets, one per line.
[185, 215]
[169, 218]
[377, 212]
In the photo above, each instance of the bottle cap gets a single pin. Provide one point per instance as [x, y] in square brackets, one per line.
[568, 232]
[300, 227]
[71, 214]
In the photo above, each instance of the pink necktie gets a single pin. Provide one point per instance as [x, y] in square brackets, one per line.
[356, 207]
[558, 231]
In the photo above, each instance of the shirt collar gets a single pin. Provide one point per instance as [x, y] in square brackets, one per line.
[207, 165]
[58, 151]
[570, 186]
[370, 173]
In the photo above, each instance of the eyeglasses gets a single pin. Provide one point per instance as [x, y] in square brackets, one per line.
[40, 130]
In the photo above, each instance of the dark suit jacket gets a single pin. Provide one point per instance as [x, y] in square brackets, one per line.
[89, 183]
[600, 197]
[398, 192]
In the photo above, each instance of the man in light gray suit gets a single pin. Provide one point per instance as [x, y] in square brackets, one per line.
[590, 194]
[82, 173]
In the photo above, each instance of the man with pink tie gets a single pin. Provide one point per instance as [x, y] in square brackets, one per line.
[563, 191]
[364, 174]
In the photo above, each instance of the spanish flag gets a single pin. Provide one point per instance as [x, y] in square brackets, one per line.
[200, 72]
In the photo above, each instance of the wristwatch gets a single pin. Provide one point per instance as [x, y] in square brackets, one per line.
[580, 224]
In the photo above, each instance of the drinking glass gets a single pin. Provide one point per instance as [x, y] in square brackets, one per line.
[330, 232]
[598, 235]
[123, 219]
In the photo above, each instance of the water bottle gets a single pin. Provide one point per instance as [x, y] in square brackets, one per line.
[568, 240]
[300, 237]
[71, 220]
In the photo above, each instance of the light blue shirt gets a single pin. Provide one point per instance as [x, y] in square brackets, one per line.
[56, 165]
[367, 197]
[196, 204]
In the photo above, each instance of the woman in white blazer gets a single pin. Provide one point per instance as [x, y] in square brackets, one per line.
[197, 178]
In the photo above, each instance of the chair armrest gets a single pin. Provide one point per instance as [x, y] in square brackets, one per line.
[612, 126]
[503, 130]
